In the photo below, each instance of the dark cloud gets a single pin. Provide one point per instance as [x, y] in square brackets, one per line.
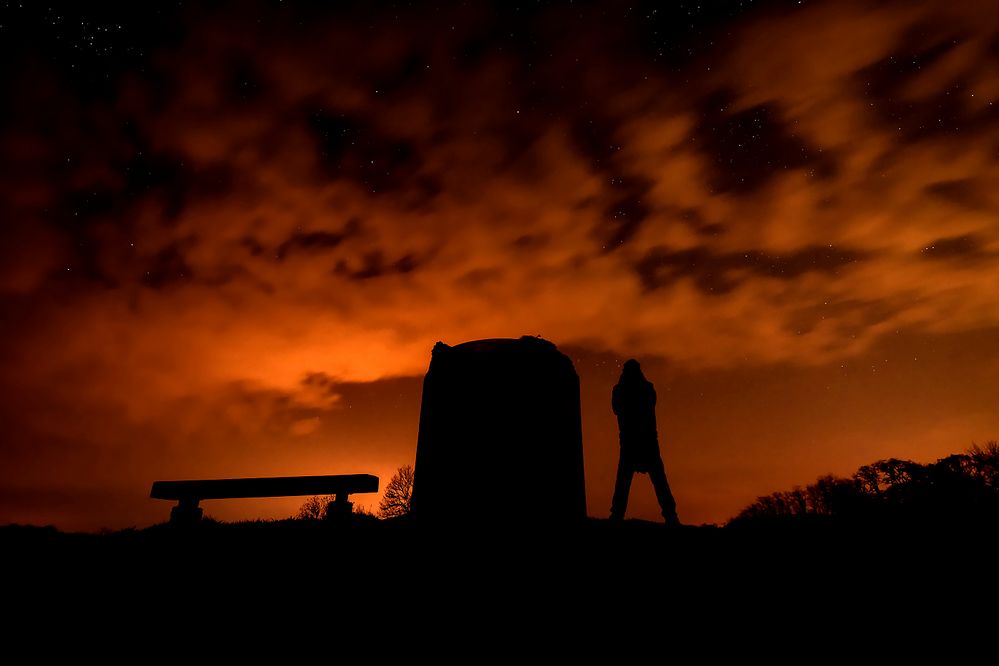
[244, 80]
[719, 274]
[897, 91]
[351, 148]
[626, 213]
[375, 265]
[884, 83]
[168, 268]
[317, 241]
[920, 47]
[955, 247]
[529, 242]
[971, 193]
[850, 316]
[699, 225]
[411, 70]
[748, 147]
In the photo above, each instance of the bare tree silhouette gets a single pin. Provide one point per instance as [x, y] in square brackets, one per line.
[398, 499]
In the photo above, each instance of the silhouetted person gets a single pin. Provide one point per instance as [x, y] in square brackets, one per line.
[634, 402]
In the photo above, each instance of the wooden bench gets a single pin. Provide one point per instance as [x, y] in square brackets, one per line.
[189, 493]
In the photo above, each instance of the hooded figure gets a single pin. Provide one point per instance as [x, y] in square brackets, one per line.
[634, 402]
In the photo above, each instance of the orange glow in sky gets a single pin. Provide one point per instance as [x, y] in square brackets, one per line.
[231, 254]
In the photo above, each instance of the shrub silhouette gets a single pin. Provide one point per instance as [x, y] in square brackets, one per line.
[315, 507]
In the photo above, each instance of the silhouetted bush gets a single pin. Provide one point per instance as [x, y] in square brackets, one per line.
[960, 487]
[315, 508]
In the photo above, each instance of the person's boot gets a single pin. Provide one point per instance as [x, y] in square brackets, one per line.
[672, 520]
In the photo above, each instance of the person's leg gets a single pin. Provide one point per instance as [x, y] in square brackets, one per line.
[621, 489]
[657, 474]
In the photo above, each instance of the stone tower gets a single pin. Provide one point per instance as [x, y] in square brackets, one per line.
[500, 435]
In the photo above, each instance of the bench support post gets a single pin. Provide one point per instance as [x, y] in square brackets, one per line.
[340, 508]
[187, 512]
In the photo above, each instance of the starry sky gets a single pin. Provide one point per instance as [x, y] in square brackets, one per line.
[232, 232]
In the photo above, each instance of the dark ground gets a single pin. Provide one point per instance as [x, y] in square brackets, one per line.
[595, 582]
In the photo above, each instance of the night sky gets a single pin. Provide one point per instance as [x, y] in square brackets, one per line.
[230, 234]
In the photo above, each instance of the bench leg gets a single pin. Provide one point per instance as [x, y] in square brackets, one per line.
[187, 512]
[340, 508]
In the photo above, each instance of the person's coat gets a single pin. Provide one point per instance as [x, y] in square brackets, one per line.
[634, 402]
